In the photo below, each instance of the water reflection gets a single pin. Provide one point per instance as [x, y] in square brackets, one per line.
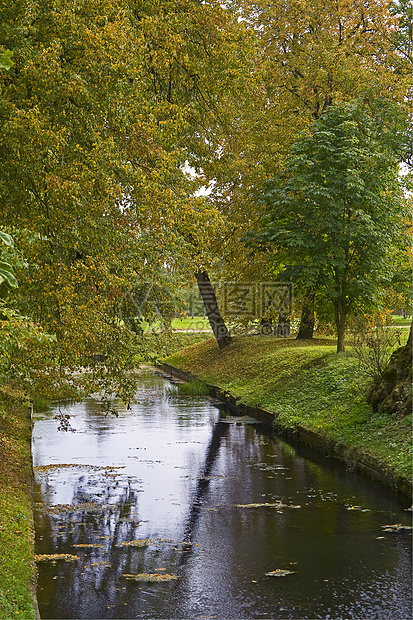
[168, 488]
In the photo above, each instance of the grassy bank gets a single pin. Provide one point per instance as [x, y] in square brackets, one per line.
[308, 383]
[16, 518]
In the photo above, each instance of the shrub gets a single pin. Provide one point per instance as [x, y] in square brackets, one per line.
[373, 345]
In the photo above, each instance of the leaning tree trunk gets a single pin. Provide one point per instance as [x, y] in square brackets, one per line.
[306, 329]
[212, 311]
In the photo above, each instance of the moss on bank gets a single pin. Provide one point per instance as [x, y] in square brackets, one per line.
[306, 383]
[17, 572]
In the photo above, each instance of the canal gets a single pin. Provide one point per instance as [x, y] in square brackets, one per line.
[175, 510]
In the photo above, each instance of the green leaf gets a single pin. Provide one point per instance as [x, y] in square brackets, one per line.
[7, 239]
[8, 278]
[5, 266]
[6, 61]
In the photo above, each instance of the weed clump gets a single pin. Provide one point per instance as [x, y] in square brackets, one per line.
[191, 388]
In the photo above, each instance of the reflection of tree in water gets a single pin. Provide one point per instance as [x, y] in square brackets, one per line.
[103, 513]
[220, 429]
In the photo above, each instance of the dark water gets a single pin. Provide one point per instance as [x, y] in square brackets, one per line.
[173, 473]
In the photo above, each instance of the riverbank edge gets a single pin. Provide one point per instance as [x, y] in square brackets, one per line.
[34, 584]
[18, 492]
[364, 464]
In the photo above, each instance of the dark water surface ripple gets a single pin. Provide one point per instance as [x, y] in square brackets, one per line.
[173, 473]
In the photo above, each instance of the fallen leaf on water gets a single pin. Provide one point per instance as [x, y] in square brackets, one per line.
[55, 466]
[395, 527]
[101, 563]
[267, 505]
[84, 507]
[53, 557]
[145, 542]
[279, 572]
[135, 543]
[149, 577]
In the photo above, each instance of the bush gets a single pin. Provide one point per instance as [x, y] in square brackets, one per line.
[373, 346]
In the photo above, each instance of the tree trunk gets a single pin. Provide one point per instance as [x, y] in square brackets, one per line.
[340, 317]
[212, 311]
[306, 329]
[340, 337]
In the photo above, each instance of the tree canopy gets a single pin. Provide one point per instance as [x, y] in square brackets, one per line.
[104, 103]
[337, 218]
[92, 162]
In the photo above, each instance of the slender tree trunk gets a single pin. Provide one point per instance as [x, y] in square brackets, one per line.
[306, 329]
[340, 337]
[340, 310]
[212, 311]
[340, 318]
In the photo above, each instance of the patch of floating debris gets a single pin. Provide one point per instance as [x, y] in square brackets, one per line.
[267, 505]
[279, 572]
[150, 577]
[396, 527]
[54, 557]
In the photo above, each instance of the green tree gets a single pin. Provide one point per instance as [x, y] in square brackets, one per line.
[91, 160]
[337, 218]
[265, 76]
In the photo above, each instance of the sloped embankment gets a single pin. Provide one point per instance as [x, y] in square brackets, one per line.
[17, 572]
[312, 394]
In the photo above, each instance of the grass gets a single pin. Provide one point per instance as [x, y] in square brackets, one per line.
[198, 323]
[306, 383]
[17, 573]
[399, 320]
[191, 388]
[160, 347]
[195, 324]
